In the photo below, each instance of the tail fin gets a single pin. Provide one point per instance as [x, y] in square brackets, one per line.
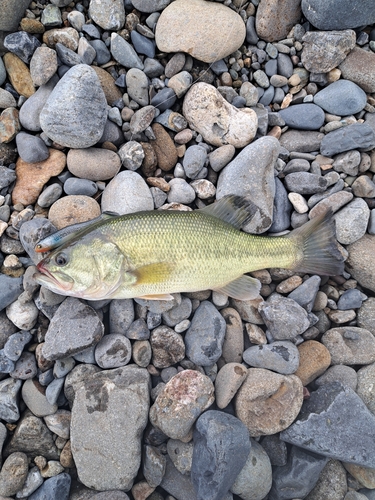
[316, 243]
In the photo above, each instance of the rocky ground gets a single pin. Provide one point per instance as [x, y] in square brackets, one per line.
[146, 104]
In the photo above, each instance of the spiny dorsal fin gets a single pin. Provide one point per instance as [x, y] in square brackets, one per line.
[242, 288]
[235, 210]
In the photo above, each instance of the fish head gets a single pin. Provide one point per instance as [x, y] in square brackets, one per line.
[87, 270]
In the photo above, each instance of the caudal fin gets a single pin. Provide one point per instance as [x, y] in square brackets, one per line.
[317, 246]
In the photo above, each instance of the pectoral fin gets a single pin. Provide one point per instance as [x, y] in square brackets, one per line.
[153, 273]
[242, 288]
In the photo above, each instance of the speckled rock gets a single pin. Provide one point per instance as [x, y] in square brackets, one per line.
[181, 402]
[13, 474]
[181, 23]
[109, 15]
[350, 345]
[358, 67]
[274, 20]
[360, 260]
[332, 483]
[168, 347]
[314, 360]
[332, 15]
[227, 382]
[19, 74]
[218, 121]
[268, 402]
[73, 209]
[284, 317]
[93, 163]
[351, 221]
[281, 356]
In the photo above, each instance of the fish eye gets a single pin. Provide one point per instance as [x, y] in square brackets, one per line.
[61, 259]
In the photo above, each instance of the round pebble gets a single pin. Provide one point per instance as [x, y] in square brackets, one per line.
[72, 210]
[113, 350]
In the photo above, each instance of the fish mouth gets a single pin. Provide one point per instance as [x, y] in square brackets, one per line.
[45, 277]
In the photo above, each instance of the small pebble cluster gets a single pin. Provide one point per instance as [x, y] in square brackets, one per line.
[128, 105]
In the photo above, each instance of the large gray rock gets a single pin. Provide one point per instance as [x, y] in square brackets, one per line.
[76, 110]
[109, 414]
[335, 423]
[341, 98]
[251, 174]
[11, 13]
[31, 109]
[356, 136]
[334, 15]
[360, 261]
[108, 14]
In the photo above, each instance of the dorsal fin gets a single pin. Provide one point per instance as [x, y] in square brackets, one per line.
[235, 210]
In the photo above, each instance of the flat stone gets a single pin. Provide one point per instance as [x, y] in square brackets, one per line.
[227, 382]
[351, 221]
[233, 344]
[64, 339]
[124, 53]
[165, 150]
[19, 74]
[341, 98]
[301, 141]
[331, 16]
[325, 50]
[68, 114]
[356, 136]
[359, 261]
[305, 183]
[73, 209]
[285, 318]
[281, 356]
[35, 399]
[180, 403]
[329, 413]
[349, 345]
[268, 402]
[225, 440]
[108, 14]
[358, 67]
[275, 20]
[181, 24]
[104, 401]
[31, 177]
[218, 121]
[314, 359]
[333, 202]
[303, 116]
[93, 163]
[13, 473]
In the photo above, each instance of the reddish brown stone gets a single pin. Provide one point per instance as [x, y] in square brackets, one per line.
[164, 148]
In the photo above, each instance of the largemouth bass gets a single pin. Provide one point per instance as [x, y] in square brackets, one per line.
[153, 254]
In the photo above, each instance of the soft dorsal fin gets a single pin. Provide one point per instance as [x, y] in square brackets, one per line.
[235, 210]
[68, 233]
[242, 288]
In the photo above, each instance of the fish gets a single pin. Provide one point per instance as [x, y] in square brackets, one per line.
[153, 254]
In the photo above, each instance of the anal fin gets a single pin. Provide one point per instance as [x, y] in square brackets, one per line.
[242, 288]
[159, 296]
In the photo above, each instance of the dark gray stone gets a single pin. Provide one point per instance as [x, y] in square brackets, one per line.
[150, 5]
[341, 98]
[91, 30]
[298, 477]
[31, 109]
[251, 34]
[305, 183]
[75, 186]
[356, 136]
[124, 53]
[154, 463]
[9, 389]
[121, 315]
[335, 423]
[153, 68]
[164, 99]
[275, 449]
[22, 44]
[142, 44]
[53, 390]
[205, 337]
[281, 356]
[333, 15]
[282, 208]
[221, 448]
[31, 148]
[176, 484]
[11, 14]
[284, 65]
[25, 367]
[303, 116]
[7, 176]
[10, 289]
[284, 318]
[194, 160]
[138, 330]
[74, 327]
[350, 299]
[305, 294]
[302, 141]
[15, 344]
[102, 53]
[54, 488]
[67, 56]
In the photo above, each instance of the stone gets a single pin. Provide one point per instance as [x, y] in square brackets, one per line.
[358, 67]
[330, 15]
[32, 482]
[127, 193]
[109, 15]
[68, 37]
[12, 12]
[325, 50]
[274, 20]
[177, 484]
[9, 389]
[314, 360]
[284, 318]
[73, 328]
[363, 187]
[30, 111]
[22, 44]
[221, 448]
[205, 337]
[73, 209]
[281, 356]
[124, 53]
[194, 160]
[10, 288]
[328, 413]
[13, 474]
[19, 74]
[131, 155]
[359, 261]
[31, 148]
[301, 141]
[142, 119]
[346, 375]
[255, 479]
[227, 382]
[351, 221]
[165, 150]
[366, 314]
[180, 403]
[34, 396]
[221, 156]
[268, 402]
[93, 163]
[364, 475]
[305, 294]
[54, 488]
[333, 202]
[305, 183]
[181, 455]
[23, 314]
[112, 351]
[332, 482]
[365, 388]
[303, 116]
[168, 347]
[341, 98]
[111, 91]
[288, 480]
[180, 192]
[106, 400]
[75, 112]
[6, 99]
[350, 345]
[356, 136]
[73, 186]
[181, 24]
[233, 345]
[218, 121]
[9, 125]
[137, 86]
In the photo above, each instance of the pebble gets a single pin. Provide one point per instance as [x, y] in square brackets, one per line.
[138, 330]
[137, 86]
[305, 294]
[302, 141]
[142, 44]
[112, 351]
[360, 259]
[351, 221]
[6, 99]
[306, 183]
[205, 337]
[339, 373]
[109, 15]
[181, 454]
[19, 74]
[9, 125]
[93, 163]
[268, 402]
[358, 68]
[289, 478]
[365, 315]
[365, 388]
[35, 399]
[180, 192]
[127, 193]
[54, 488]
[281, 356]
[281, 209]
[31, 148]
[330, 15]
[10, 290]
[194, 160]
[73, 209]
[83, 331]
[22, 44]
[233, 344]
[142, 119]
[354, 136]
[303, 116]
[228, 380]
[341, 98]
[332, 482]
[13, 473]
[224, 439]
[273, 21]
[154, 466]
[333, 202]
[180, 24]
[25, 367]
[164, 148]
[328, 426]
[349, 345]
[32, 482]
[124, 53]
[168, 347]
[59, 423]
[215, 119]
[177, 484]
[350, 299]
[284, 318]
[363, 187]
[112, 398]
[251, 174]
[30, 111]
[22, 314]
[314, 359]
[180, 403]
[15, 344]
[325, 50]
